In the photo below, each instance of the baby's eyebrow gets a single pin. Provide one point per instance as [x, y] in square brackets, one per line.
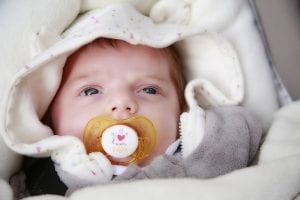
[152, 78]
[83, 76]
[158, 78]
[78, 78]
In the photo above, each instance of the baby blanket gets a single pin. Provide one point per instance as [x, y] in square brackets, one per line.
[231, 140]
[275, 177]
[216, 33]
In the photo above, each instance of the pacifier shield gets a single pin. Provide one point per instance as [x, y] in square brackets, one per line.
[121, 141]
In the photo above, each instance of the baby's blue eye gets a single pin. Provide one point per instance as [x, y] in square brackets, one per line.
[89, 92]
[150, 90]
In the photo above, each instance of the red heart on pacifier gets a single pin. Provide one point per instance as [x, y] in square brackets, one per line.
[121, 137]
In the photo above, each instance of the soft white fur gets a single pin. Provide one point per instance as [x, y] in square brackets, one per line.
[192, 123]
[215, 65]
[5, 190]
[37, 26]
[284, 134]
[143, 6]
[27, 28]
[233, 20]
[213, 15]
[259, 92]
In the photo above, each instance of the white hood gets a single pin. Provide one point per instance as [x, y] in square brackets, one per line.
[36, 84]
[219, 74]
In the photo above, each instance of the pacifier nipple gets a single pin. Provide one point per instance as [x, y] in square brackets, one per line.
[122, 141]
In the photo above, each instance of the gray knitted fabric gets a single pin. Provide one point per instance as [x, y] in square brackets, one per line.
[232, 139]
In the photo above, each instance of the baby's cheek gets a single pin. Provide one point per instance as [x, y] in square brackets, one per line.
[166, 134]
[73, 127]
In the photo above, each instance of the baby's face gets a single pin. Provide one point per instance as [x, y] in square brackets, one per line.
[120, 82]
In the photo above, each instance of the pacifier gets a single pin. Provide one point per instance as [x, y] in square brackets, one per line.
[121, 141]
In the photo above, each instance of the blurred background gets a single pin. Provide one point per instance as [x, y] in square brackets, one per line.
[281, 23]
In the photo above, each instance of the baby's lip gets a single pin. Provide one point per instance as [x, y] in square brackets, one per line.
[121, 115]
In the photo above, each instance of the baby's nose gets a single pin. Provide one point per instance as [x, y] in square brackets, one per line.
[122, 107]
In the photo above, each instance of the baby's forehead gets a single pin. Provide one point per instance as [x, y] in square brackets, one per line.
[108, 50]
[166, 58]
[103, 48]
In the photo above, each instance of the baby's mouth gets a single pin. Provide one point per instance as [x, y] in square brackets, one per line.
[122, 141]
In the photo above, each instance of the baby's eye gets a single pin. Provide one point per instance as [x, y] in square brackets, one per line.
[150, 90]
[89, 92]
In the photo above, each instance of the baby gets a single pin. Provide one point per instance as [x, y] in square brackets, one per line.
[113, 78]
[117, 81]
